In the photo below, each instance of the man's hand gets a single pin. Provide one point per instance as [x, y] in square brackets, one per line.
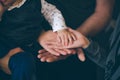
[47, 39]
[80, 42]
[45, 56]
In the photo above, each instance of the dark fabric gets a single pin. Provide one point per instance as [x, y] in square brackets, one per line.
[22, 25]
[22, 66]
[75, 12]
[96, 53]
[5, 45]
[111, 62]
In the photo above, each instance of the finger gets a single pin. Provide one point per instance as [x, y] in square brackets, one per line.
[56, 45]
[61, 51]
[63, 40]
[81, 55]
[54, 52]
[53, 58]
[43, 57]
[59, 39]
[73, 51]
[49, 42]
[70, 39]
[66, 40]
[73, 36]
[68, 51]
[42, 51]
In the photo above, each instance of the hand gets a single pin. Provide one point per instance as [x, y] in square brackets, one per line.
[49, 38]
[81, 41]
[65, 37]
[45, 56]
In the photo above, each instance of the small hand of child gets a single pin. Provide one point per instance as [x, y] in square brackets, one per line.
[65, 37]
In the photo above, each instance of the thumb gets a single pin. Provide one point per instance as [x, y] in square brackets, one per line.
[81, 55]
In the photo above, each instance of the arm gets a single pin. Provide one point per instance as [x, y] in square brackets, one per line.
[53, 16]
[99, 19]
[92, 49]
[56, 20]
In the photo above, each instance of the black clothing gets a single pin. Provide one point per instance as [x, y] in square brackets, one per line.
[108, 59]
[75, 11]
[20, 26]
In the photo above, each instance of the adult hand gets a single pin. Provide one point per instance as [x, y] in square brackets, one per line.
[81, 41]
[45, 56]
[49, 38]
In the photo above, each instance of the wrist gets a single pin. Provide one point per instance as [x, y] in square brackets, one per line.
[86, 43]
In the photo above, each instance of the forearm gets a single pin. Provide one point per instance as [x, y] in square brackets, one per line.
[99, 19]
[94, 24]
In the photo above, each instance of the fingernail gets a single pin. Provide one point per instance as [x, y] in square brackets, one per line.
[83, 59]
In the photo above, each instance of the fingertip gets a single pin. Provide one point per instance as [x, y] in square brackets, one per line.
[49, 60]
[39, 56]
[39, 51]
[57, 54]
[42, 60]
[82, 58]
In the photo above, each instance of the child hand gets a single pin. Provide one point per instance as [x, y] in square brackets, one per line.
[65, 37]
